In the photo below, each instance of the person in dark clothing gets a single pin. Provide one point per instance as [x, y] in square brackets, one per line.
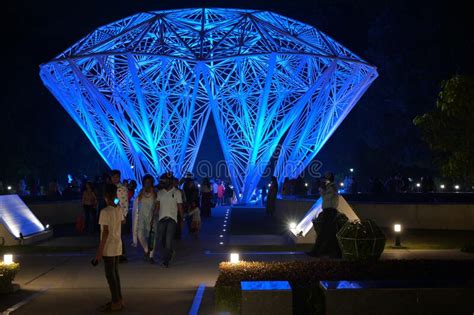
[89, 204]
[272, 196]
[228, 194]
[206, 197]
[325, 224]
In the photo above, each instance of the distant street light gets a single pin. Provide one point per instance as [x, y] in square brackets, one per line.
[418, 185]
[9, 187]
[456, 187]
[351, 170]
[442, 186]
[341, 184]
[306, 184]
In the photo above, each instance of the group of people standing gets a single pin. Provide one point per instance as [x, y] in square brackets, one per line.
[159, 212]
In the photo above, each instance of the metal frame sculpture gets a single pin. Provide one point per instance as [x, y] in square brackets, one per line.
[142, 89]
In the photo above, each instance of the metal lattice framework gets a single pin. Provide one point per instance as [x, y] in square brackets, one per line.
[143, 88]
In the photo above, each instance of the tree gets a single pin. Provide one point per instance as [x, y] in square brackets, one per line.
[449, 128]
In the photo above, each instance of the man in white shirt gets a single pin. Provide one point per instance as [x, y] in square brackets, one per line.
[168, 202]
[122, 195]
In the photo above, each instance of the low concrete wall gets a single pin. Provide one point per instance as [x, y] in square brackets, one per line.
[411, 216]
[430, 301]
[57, 212]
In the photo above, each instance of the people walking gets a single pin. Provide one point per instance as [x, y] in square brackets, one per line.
[89, 204]
[145, 209]
[169, 203]
[272, 196]
[220, 193]
[325, 224]
[206, 197]
[195, 217]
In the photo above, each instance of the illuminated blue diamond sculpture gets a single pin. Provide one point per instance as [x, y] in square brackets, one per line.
[142, 89]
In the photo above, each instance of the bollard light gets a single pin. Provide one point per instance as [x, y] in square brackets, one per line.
[234, 258]
[8, 259]
[398, 229]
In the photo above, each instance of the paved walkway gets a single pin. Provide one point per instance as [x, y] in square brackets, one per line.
[66, 283]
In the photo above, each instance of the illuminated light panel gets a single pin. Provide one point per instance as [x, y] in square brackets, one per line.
[17, 217]
[264, 285]
[142, 90]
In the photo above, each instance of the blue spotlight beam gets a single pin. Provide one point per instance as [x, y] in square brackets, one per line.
[142, 90]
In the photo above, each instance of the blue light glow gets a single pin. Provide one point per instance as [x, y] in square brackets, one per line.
[142, 89]
[264, 285]
[337, 285]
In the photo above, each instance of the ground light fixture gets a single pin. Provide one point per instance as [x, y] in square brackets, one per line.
[8, 259]
[397, 228]
[234, 258]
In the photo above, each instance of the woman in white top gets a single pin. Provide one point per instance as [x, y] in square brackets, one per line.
[145, 208]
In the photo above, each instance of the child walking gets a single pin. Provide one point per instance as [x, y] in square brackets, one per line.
[110, 247]
[195, 214]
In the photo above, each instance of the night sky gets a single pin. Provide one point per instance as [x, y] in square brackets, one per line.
[414, 44]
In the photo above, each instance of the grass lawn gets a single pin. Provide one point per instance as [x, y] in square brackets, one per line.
[431, 239]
